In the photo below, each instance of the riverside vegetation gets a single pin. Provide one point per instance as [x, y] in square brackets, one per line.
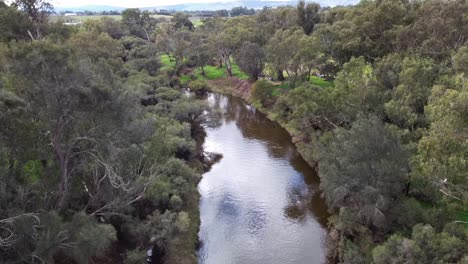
[98, 145]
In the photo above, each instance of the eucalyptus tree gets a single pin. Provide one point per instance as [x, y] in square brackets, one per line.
[140, 23]
[363, 172]
[38, 12]
[308, 16]
[251, 59]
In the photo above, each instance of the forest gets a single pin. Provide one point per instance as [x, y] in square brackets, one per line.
[100, 149]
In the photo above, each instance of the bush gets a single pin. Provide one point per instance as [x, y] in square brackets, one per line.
[199, 87]
[262, 91]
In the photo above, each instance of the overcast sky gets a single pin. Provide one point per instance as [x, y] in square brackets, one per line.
[129, 3]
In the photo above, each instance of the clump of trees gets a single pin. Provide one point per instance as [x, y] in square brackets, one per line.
[88, 171]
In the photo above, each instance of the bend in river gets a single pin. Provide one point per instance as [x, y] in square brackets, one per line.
[260, 203]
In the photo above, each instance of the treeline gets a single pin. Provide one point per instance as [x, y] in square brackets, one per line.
[233, 12]
[98, 157]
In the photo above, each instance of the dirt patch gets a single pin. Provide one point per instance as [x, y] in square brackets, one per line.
[234, 86]
[186, 71]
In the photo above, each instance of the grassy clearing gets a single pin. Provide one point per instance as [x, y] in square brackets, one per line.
[214, 73]
[166, 62]
[320, 82]
[196, 21]
[284, 87]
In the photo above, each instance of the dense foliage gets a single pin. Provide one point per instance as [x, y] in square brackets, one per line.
[387, 129]
[98, 162]
[98, 152]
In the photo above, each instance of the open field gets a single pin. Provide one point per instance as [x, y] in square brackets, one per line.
[95, 17]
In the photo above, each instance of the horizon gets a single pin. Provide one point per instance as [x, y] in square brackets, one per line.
[146, 3]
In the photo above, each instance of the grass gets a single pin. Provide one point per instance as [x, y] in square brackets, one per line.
[214, 73]
[236, 71]
[166, 62]
[196, 21]
[320, 82]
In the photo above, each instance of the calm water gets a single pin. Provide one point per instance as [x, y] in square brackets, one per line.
[260, 202]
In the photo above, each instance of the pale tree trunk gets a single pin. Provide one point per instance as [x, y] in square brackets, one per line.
[227, 61]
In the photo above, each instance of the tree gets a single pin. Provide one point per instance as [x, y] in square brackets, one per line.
[141, 24]
[308, 16]
[181, 20]
[357, 91]
[38, 12]
[406, 107]
[439, 27]
[442, 151]
[363, 171]
[281, 49]
[234, 32]
[201, 52]
[425, 246]
[262, 91]
[66, 99]
[14, 24]
[241, 11]
[251, 59]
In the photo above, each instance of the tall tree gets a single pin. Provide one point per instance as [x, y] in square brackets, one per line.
[141, 24]
[308, 16]
[38, 12]
[363, 171]
[251, 59]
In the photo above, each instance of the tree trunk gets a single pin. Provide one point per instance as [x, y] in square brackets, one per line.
[228, 66]
[280, 75]
[63, 186]
[408, 185]
[63, 180]
[203, 71]
[220, 63]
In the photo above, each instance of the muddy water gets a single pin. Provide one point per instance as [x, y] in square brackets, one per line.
[260, 202]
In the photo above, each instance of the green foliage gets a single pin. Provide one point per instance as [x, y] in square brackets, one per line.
[262, 91]
[406, 108]
[364, 169]
[425, 246]
[199, 87]
[356, 91]
[443, 150]
[308, 16]
[251, 59]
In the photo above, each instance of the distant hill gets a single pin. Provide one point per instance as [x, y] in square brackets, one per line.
[256, 4]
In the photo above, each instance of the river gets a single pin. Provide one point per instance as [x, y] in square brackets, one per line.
[260, 203]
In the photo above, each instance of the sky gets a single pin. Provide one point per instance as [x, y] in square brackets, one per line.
[129, 3]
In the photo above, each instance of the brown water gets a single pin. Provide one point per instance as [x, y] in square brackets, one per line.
[260, 202]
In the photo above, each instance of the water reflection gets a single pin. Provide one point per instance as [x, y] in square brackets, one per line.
[260, 203]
